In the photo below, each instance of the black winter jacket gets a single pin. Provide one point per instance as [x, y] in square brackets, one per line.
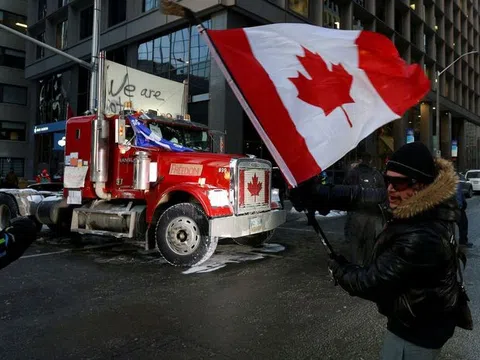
[412, 274]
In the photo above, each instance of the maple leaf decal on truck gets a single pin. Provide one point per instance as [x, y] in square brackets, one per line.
[326, 89]
[254, 186]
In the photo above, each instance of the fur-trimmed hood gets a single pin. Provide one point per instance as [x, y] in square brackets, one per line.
[442, 189]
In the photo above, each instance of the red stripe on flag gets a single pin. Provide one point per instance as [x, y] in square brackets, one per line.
[400, 85]
[241, 188]
[262, 97]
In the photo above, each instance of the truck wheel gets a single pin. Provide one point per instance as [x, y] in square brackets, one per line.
[182, 237]
[255, 240]
[8, 210]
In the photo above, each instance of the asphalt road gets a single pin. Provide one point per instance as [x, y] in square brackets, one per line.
[118, 302]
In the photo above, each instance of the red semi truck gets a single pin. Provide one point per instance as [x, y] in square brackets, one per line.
[179, 202]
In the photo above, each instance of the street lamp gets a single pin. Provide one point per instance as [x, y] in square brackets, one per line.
[437, 89]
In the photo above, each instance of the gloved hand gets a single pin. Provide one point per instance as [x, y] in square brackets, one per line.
[335, 265]
[16, 239]
[301, 196]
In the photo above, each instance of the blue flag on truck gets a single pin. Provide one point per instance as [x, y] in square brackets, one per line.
[144, 137]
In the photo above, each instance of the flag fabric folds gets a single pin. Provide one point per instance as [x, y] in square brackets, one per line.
[314, 93]
[144, 137]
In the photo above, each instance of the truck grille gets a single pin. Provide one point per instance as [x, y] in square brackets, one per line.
[252, 183]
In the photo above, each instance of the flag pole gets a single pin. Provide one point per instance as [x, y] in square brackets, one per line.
[246, 107]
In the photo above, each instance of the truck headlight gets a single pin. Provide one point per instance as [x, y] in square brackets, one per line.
[218, 198]
[275, 199]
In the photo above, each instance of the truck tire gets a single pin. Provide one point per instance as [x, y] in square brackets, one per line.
[181, 234]
[8, 210]
[256, 240]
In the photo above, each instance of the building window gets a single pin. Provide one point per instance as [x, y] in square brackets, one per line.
[168, 57]
[12, 58]
[16, 22]
[52, 100]
[12, 94]
[86, 22]
[40, 49]
[117, 12]
[300, 7]
[331, 14]
[150, 4]
[17, 164]
[13, 131]
[61, 35]
[83, 90]
[42, 9]
[62, 3]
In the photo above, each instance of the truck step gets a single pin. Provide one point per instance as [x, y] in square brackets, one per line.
[100, 233]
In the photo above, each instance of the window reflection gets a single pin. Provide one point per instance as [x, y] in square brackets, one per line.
[150, 4]
[167, 56]
[299, 6]
[331, 14]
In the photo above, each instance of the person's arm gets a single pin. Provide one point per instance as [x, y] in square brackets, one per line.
[394, 270]
[335, 197]
[15, 239]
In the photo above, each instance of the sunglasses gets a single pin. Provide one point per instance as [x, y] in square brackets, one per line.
[399, 183]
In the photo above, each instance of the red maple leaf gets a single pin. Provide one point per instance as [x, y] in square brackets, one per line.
[254, 186]
[326, 89]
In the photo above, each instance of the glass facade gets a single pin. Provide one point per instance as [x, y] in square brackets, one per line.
[61, 35]
[150, 4]
[168, 56]
[52, 100]
[17, 164]
[12, 131]
[12, 94]
[331, 14]
[15, 21]
[300, 7]
[12, 58]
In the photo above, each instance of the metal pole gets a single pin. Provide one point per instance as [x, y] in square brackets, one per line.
[95, 49]
[437, 90]
[46, 46]
[187, 83]
[437, 113]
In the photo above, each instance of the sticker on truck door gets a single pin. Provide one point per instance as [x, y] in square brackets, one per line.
[186, 169]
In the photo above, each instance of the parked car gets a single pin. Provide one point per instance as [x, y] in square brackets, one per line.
[473, 177]
[466, 186]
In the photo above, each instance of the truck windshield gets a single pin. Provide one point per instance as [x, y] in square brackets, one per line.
[196, 139]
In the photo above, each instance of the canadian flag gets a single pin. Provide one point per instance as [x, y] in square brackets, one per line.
[314, 93]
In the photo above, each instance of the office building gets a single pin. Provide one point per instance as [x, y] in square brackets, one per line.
[16, 140]
[137, 34]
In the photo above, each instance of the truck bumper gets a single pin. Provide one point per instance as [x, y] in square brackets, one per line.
[244, 225]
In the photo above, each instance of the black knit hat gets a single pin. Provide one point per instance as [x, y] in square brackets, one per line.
[415, 161]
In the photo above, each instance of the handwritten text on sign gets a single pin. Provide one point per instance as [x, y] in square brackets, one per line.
[143, 90]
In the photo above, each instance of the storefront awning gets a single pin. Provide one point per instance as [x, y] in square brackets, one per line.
[50, 127]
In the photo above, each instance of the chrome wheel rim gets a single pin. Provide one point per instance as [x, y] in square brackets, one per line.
[183, 235]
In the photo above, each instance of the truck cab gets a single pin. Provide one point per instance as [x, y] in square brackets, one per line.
[162, 186]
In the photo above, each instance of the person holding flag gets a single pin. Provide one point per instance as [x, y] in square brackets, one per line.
[313, 94]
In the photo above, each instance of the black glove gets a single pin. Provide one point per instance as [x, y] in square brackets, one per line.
[15, 239]
[301, 196]
[336, 265]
